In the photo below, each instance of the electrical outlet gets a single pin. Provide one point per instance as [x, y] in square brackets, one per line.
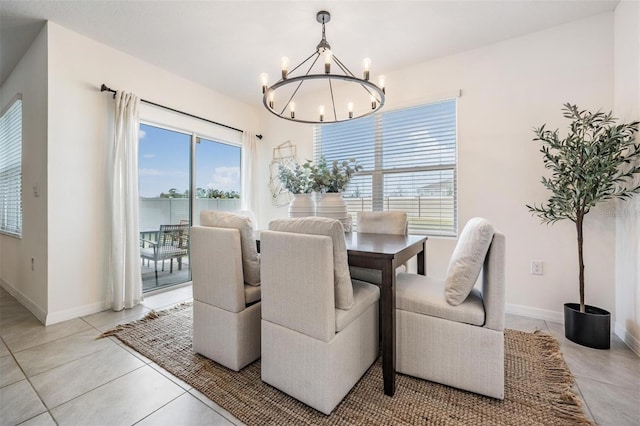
[536, 267]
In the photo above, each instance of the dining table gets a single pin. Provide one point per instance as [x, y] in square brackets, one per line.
[385, 253]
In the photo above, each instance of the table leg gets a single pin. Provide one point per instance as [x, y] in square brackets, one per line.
[422, 268]
[388, 309]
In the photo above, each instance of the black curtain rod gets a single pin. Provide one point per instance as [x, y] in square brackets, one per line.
[104, 88]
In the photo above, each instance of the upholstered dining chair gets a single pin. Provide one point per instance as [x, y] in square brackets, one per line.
[388, 222]
[319, 327]
[450, 332]
[226, 289]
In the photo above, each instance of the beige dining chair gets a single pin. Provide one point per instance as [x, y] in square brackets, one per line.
[450, 332]
[226, 289]
[388, 222]
[319, 327]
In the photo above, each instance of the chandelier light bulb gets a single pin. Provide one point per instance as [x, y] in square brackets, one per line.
[292, 108]
[321, 112]
[272, 96]
[373, 102]
[327, 61]
[264, 79]
[367, 64]
[285, 66]
[350, 109]
[381, 83]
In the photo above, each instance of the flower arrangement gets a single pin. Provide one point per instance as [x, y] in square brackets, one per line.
[332, 177]
[296, 180]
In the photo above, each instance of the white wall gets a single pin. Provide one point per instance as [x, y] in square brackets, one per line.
[507, 88]
[29, 78]
[627, 108]
[79, 134]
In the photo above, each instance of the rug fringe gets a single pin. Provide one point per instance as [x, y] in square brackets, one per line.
[148, 317]
[560, 380]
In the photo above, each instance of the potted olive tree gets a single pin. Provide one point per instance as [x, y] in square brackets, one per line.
[597, 160]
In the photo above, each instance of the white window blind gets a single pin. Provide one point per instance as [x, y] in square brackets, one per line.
[409, 163]
[11, 169]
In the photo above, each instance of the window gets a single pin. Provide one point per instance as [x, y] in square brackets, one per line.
[409, 163]
[11, 169]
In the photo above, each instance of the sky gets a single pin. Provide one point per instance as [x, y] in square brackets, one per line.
[164, 163]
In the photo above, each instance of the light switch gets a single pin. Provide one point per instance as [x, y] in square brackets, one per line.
[36, 190]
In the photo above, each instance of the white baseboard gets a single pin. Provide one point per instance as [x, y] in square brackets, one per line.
[76, 312]
[630, 340]
[25, 301]
[542, 314]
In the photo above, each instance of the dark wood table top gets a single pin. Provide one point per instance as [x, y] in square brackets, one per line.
[382, 244]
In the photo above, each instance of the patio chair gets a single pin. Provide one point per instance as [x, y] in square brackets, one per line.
[172, 243]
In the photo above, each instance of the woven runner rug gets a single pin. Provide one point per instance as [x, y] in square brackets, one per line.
[537, 385]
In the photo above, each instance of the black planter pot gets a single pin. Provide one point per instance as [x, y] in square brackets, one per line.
[591, 328]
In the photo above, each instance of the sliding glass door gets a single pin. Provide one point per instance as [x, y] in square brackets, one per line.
[180, 173]
[164, 182]
[217, 177]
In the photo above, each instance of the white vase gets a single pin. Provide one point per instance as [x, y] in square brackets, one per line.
[302, 205]
[331, 204]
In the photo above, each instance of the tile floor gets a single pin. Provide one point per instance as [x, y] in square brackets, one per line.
[62, 375]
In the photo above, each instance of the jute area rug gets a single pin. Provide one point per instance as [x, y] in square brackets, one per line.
[537, 385]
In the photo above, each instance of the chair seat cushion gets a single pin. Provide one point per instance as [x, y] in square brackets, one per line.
[364, 295]
[250, 258]
[425, 295]
[343, 291]
[467, 259]
[251, 294]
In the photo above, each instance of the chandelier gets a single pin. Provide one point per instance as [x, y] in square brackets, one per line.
[325, 93]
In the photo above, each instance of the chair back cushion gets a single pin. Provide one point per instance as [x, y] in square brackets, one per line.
[216, 268]
[250, 258]
[394, 223]
[332, 228]
[467, 260]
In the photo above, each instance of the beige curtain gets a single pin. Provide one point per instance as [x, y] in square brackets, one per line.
[124, 281]
[249, 193]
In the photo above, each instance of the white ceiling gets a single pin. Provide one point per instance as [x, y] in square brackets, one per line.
[225, 45]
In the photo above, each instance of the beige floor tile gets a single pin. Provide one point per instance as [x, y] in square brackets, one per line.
[517, 322]
[123, 401]
[18, 402]
[108, 319]
[165, 300]
[75, 378]
[18, 340]
[14, 318]
[54, 354]
[135, 353]
[212, 404]
[186, 410]
[43, 419]
[184, 385]
[9, 371]
[611, 405]
[4, 351]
